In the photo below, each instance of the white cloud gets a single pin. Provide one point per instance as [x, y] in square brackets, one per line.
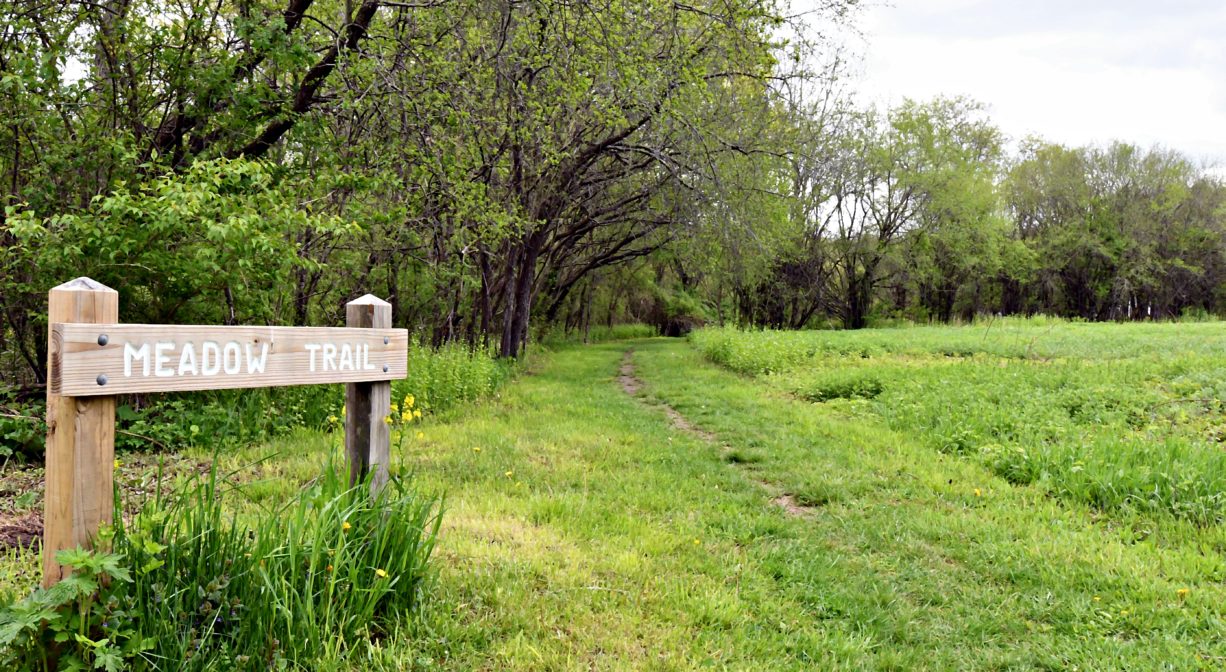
[1075, 72]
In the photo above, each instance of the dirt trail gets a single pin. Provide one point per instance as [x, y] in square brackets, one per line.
[632, 385]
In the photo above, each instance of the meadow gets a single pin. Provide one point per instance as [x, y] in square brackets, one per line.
[740, 501]
[1125, 418]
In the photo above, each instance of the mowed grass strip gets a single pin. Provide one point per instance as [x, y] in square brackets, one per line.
[585, 531]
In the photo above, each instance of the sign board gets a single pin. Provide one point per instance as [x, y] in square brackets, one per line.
[91, 358]
[109, 359]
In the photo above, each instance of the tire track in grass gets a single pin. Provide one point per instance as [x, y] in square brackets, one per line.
[632, 385]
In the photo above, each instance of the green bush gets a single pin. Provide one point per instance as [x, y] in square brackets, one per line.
[185, 586]
[438, 379]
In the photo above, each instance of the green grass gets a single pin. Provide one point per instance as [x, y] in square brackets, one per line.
[1125, 418]
[584, 530]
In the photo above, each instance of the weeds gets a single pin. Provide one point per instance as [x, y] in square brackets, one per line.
[185, 586]
[1125, 418]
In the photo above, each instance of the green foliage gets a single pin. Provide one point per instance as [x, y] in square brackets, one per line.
[441, 378]
[187, 587]
[177, 246]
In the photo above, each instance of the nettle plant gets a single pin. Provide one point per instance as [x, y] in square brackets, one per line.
[79, 623]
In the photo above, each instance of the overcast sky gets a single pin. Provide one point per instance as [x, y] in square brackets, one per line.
[1071, 71]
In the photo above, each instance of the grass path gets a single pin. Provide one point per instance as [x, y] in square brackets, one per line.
[587, 530]
[614, 511]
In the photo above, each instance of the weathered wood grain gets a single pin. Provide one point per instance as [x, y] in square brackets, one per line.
[80, 437]
[368, 404]
[109, 359]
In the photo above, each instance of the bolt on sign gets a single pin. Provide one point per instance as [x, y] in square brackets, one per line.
[89, 359]
[92, 358]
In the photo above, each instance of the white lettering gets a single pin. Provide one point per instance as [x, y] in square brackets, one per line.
[187, 360]
[329, 356]
[210, 358]
[366, 359]
[130, 353]
[230, 357]
[311, 348]
[161, 357]
[255, 365]
[346, 358]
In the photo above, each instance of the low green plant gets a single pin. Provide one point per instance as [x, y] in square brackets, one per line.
[187, 586]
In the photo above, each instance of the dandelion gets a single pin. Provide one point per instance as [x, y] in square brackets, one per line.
[978, 492]
[1098, 599]
[1183, 592]
[406, 416]
[417, 413]
[476, 449]
[510, 474]
[421, 435]
[345, 526]
[332, 420]
[117, 464]
[387, 419]
[380, 573]
[697, 542]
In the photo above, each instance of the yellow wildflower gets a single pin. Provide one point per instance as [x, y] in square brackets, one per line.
[697, 542]
[342, 411]
[345, 526]
[476, 449]
[417, 413]
[116, 463]
[329, 569]
[332, 419]
[510, 474]
[380, 573]
[395, 408]
[978, 493]
[406, 416]
[387, 419]
[408, 401]
[1183, 592]
[421, 435]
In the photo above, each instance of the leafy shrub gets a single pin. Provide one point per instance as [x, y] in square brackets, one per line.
[190, 588]
[440, 379]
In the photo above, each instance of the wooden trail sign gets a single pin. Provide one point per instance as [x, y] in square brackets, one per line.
[91, 360]
[92, 357]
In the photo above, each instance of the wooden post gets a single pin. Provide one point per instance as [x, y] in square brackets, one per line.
[80, 456]
[368, 405]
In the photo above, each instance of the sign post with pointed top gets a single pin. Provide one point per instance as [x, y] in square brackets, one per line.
[91, 357]
[368, 404]
[80, 458]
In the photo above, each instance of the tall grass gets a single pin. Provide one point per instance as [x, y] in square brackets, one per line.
[318, 579]
[1127, 418]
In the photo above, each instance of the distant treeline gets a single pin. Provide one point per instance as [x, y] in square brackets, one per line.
[497, 168]
[919, 214]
